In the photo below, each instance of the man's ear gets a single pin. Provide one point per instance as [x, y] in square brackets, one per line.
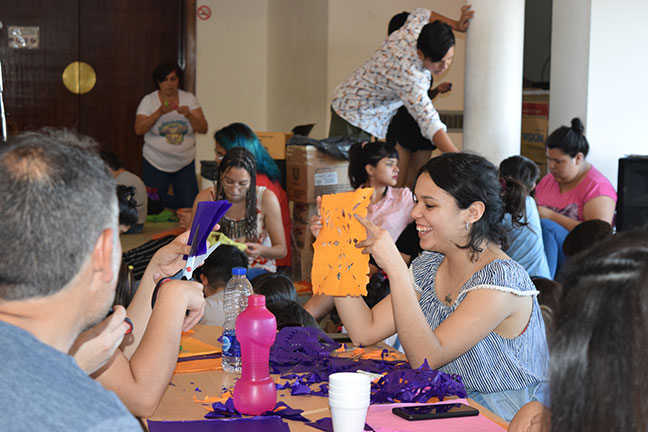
[203, 280]
[102, 255]
[420, 54]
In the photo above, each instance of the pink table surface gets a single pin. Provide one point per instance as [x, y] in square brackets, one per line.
[381, 418]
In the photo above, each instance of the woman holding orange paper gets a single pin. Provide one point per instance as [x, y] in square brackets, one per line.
[464, 306]
[374, 165]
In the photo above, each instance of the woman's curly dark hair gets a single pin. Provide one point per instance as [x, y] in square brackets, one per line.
[470, 178]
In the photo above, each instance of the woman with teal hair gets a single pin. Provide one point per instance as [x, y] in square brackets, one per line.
[268, 175]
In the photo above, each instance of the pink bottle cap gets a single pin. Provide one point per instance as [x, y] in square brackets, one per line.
[256, 300]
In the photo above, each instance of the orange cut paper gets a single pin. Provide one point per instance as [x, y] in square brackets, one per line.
[339, 267]
[192, 347]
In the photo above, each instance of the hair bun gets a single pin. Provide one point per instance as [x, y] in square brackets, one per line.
[577, 125]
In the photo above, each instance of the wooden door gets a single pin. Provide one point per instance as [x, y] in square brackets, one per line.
[122, 40]
[34, 95]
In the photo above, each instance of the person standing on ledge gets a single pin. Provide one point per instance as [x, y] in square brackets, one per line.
[399, 74]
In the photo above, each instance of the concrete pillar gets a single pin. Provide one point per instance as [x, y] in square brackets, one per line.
[493, 79]
[598, 70]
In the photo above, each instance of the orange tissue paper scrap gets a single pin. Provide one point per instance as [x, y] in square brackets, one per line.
[339, 267]
[190, 347]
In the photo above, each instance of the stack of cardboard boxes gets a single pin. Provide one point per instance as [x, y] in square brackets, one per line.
[535, 124]
[309, 174]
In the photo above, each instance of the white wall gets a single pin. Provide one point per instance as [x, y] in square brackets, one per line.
[297, 59]
[598, 74]
[274, 64]
[232, 67]
[569, 61]
[357, 29]
[617, 87]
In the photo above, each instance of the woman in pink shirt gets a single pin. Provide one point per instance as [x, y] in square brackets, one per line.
[574, 191]
[375, 165]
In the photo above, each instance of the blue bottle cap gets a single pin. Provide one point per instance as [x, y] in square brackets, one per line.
[239, 271]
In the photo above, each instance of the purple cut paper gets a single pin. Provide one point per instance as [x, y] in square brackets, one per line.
[208, 213]
[252, 424]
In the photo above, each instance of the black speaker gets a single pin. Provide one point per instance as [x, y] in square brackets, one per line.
[632, 203]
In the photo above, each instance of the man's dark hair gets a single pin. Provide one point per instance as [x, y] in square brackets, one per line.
[218, 267]
[435, 40]
[396, 22]
[58, 197]
[111, 159]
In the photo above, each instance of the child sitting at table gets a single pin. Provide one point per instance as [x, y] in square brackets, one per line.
[275, 287]
[289, 313]
[281, 300]
[526, 246]
[214, 275]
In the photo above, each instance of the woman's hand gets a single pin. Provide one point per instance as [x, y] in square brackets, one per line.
[380, 245]
[546, 212]
[532, 417]
[316, 220]
[184, 217]
[168, 260]
[94, 347]
[184, 110]
[253, 249]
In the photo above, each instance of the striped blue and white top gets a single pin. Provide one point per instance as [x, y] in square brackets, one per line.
[496, 363]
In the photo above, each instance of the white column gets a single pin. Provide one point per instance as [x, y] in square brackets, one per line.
[493, 79]
[598, 70]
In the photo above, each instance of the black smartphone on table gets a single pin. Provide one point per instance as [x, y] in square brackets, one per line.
[435, 411]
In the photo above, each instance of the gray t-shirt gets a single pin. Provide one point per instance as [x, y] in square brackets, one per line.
[42, 388]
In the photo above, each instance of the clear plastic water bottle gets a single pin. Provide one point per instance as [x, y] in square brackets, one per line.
[235, 299]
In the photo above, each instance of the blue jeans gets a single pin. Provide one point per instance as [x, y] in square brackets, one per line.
[506, 403]
[553, 236]
[185, 185]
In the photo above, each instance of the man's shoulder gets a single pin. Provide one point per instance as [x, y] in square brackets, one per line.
[43, 388]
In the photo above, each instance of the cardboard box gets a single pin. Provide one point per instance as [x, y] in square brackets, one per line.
[275, 143]
[302, 258]
[310, 172]
[302, 263]
[535, 124]
[303, 212]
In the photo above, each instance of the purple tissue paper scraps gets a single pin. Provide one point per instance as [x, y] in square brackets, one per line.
[283, 410]
[305, 355]
[251, 424]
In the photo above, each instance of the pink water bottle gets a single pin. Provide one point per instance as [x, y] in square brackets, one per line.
[256, 329]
